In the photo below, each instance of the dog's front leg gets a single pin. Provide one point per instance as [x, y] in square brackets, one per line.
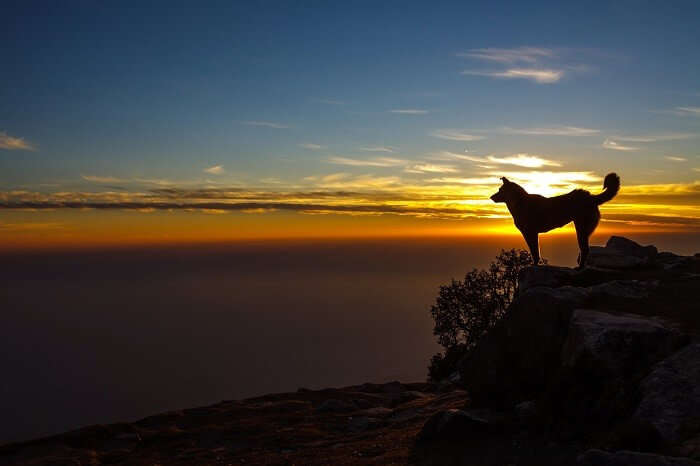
[533, 242]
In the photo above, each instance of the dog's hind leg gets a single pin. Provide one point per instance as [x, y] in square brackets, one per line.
[533, 243]
[584, 230]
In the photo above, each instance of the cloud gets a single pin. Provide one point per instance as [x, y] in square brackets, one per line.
[333, 177]
[446, 155]
[342, 193]
[455, 135]
[688, 111]
[378, 149]
[540, 76]
[215, 170]
[12, 143]
[374, 162]
[521, 160]
[473, 181]
[610, 144]
[102, 179]
[430, 168]
[656, 137]
[675, 159]
[553, 131]
[514, 55]
[267, 124]
[409, 111]
[311, 146]
[524, 160]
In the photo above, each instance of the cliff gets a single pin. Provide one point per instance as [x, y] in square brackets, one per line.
[592, 367]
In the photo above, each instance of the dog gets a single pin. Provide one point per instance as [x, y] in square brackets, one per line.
[534, 214]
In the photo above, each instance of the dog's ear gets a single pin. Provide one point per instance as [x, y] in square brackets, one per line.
[505, 180]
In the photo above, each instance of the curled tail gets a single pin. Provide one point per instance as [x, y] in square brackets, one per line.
[611, 184]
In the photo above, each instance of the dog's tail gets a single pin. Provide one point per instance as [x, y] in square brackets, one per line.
[611, 184]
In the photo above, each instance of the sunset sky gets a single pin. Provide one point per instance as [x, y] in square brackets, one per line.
[271, 119]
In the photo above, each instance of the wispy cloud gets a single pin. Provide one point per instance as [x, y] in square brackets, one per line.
[446, 155]
[688, 111]
[102, 179]
[540, 76]
[373, 162]
[654, 137]
[524, 160]
[553, 131]
[311, 146]
[520, 160]
[12, 143]
[267, 124]
[455, 135]
[675, 159]
[430, 168]
[378, 149]
[215, 170]
[513, 55]
[409, 111]
[612, 145]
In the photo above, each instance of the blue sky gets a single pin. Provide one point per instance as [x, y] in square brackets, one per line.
[273, 93]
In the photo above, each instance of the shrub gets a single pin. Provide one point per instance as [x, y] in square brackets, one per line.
[465, 310]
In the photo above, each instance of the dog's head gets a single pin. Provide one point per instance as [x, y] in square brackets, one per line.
[507, 190]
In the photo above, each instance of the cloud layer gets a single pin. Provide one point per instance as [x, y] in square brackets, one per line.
[13, 143]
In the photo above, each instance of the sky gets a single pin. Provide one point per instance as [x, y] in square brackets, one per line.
[122, 123]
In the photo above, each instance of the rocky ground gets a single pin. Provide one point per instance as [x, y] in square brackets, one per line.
[592, 367]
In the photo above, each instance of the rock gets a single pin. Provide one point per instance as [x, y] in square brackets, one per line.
[670, 261]
[624, 289]
[670, 395]
[362, 403]
[544, 275]
[362, 423]
[619, 343]
[612, 259]
[377, 412]
[336, 406]
[406, 415]
[408, 396]
[625, 458]
[454, 377]
[452, 424]
[628, 247]
[393, 387]
[526, 410]
[521, 353]
[603, 359]
[621, 253]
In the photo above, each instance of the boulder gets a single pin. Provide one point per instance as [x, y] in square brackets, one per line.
[516, 359]
[621, 253]
[603, 359]
[613, 259]
[670, 395]
[452, 424]
[619, 343]
[336, 406]
[627, 247]
[670, 261]
[544, 275]
[625, 458]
